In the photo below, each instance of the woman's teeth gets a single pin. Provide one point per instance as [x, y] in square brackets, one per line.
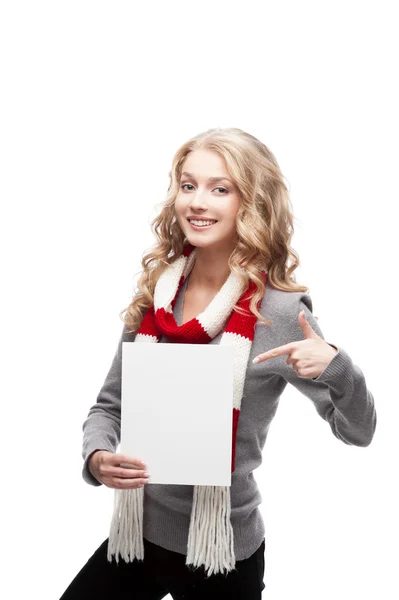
[202, 223]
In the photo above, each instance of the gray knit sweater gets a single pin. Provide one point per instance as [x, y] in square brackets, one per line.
[339, 395]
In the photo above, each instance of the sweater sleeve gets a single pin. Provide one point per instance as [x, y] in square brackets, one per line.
[339, 393]
[101, 429]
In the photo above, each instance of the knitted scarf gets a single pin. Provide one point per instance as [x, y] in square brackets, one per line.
[210, 538]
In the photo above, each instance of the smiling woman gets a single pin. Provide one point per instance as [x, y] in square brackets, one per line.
[222, 272]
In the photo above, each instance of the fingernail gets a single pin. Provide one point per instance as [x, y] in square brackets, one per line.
[255, 360]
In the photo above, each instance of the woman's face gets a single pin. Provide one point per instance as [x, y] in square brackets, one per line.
[207, 192]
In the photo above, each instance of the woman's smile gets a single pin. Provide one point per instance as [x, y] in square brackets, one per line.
[197, 225]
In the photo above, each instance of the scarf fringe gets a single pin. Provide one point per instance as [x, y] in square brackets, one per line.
[126, 531]
[211, 537]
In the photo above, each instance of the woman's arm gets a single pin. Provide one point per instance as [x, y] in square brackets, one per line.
[339, 393]
[101, 429]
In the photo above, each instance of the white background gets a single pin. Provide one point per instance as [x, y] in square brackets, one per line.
[96, 97]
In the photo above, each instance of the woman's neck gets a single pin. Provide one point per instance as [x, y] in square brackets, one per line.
[209, 273]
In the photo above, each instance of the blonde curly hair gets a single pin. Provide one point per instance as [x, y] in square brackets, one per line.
[264, 223]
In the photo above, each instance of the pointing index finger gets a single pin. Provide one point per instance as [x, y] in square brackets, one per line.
[279, 351]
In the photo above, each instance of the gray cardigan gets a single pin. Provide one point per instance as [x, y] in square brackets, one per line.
[339, 395]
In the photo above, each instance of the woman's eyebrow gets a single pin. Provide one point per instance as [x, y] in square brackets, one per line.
[211, 179]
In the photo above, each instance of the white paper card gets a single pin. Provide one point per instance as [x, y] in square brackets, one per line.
[176, 413]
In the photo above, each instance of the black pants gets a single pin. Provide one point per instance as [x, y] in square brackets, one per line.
[161, 573]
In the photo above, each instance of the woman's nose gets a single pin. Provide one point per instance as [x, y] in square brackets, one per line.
[198, 200]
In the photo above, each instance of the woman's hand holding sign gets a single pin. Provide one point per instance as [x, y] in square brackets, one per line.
[309, 357]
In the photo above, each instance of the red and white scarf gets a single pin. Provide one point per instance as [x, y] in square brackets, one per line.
[210, 538]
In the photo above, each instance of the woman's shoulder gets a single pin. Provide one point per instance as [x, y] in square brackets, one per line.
[278, 303]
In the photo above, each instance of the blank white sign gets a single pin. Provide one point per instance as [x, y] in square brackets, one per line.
[176, 413]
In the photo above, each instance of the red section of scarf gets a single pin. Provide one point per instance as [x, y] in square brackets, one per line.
[191, 332]
[236, 416]
[148, 324]
[243, 325]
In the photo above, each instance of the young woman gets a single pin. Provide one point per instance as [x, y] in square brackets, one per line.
[219, 274]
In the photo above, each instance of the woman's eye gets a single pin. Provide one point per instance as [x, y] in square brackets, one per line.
[218, 188]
